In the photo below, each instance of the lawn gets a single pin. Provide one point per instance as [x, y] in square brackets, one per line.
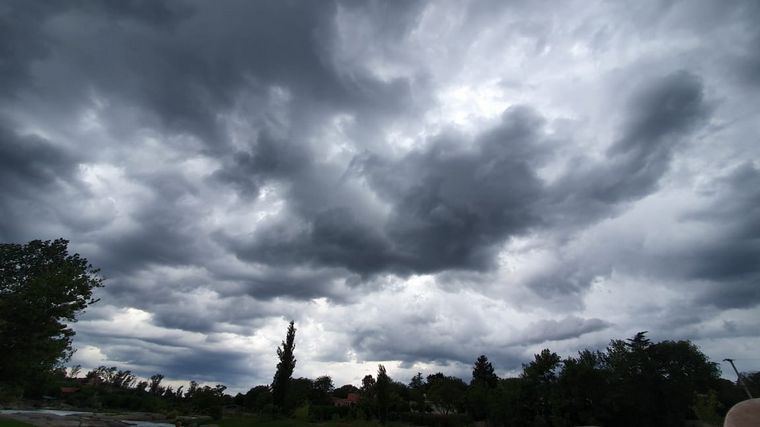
[290, 422]
[7, 422]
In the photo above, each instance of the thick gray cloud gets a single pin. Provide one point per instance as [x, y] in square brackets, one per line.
[413, 182]
[453, 201]
[449, 204]
[657, 118]
[730, 263]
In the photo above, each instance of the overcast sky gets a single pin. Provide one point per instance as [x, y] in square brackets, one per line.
[414, 183]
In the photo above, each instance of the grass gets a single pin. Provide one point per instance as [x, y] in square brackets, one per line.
[290, 422]
[7, 422]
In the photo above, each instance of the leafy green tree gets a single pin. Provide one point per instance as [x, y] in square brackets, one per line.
[343, 391]
[285, 367]
[155, 384]
[583, 388]
[208, 400]
[322, 389]
[192, 388]
[368, 387]
[656, 384]
[300, 392]
[752, 380]
[141, 386]
[509, 404]
[368, 403]
[484, 379]
[681, 373]
[540, 381]
[399, 397]
[382, 393]
[42, 290]
[257, 398]
[324, 384]
[483, 373]
[446, 393]
[123, 379]
[417, 392]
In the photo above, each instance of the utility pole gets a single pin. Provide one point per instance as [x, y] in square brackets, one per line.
[739, 377]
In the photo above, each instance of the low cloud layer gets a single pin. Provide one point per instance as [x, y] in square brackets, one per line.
[415, 184]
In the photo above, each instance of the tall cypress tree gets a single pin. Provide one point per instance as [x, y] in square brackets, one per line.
[285, 367]
[382, 392]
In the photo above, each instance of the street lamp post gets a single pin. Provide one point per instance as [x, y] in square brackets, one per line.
[739, 377]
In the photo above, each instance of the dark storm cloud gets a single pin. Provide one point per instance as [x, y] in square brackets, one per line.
[183, 75]
[658, 117]
[31, 168]
[410, 343]
[557, 330]
[730, 261]
[167, 235]
[188, 63]
[29, 162]
[178, 66]
[270, 101]
[22, 40]
[174, 360]
[743, 60]
[454, 201]
[268, 158]
[450, 203]
[153, 12]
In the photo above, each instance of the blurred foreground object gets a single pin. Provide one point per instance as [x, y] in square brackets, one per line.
[744, 414]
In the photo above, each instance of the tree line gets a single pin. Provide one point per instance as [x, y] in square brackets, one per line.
[631, 382]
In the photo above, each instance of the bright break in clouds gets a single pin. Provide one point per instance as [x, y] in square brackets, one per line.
[415, 183]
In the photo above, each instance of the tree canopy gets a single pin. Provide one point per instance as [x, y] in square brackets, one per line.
[42, 290]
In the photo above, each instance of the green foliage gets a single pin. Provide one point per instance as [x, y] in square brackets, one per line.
[321, 413]
[7, 422]
[508, 403]
[302, 412]
[382, 393]
[483, 373]
[285, 367]
[484, 380]
[446, 393]
[321, 390]
[752, 381]
[706, 408]
[437, 420]
[42, 290]
[154, 387]
[344, 390]
[256, 399]
[300, 390]
[539, 385]
[417, 387]
[247, 421]
[582, 389]
[634, 382]
[655, 383]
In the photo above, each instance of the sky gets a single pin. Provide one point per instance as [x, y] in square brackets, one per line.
[413, 183]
